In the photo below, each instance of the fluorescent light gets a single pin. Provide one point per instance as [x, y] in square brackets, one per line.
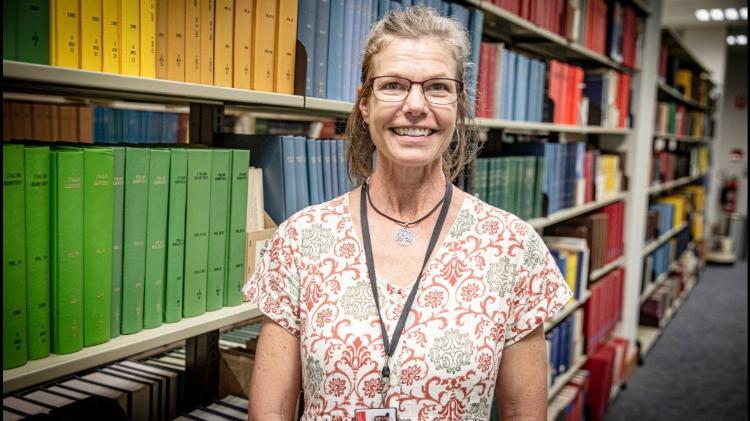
[702, 15]
[716, 14]
[731, 14]
[743, 12]
[731, 40]
[741, 39]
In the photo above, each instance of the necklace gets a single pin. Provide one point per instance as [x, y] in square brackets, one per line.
[404, 235]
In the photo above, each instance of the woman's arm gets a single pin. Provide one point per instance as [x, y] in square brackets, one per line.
[521, 388]
[277, 372]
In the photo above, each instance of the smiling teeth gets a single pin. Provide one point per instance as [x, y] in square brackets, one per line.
[412, 131]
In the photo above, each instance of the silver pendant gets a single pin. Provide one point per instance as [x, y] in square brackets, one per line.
[405, 236]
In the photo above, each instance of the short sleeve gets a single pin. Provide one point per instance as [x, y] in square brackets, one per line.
[275, 287]
[539, 291]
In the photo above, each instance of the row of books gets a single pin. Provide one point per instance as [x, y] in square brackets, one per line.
[511, 183]
[91, 124]
[103, 241]
[668, 166]
[654, 308]
[572, 257]
[570, 403]
[564, 345]
[672, 118]
[298, 172]
[608, 367]
[657, 263]
[603, 310]
[675, 73]
[608, 99]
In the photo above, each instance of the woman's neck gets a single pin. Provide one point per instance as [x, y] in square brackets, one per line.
[406, 193]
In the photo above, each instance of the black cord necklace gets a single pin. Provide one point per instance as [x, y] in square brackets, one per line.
[405, 236]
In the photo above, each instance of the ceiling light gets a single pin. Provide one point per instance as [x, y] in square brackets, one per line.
[731, 14]
[702, 15]
[741, 39]
[717, 14]
[743, 12]
[731, 40]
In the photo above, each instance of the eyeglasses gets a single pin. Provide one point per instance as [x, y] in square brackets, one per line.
[438, 91]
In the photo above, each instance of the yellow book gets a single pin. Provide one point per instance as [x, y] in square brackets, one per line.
[207, 41]
[684, 79]
[176, 40]
[111, 36]
[223, 43]
[161, 39]
[148, 38]
[571, 271]
[67, 41]
[264, 42]
[243, 42]
[193, 41]
[130, 37]
[52, 31]
[91, 35]
[286, 38]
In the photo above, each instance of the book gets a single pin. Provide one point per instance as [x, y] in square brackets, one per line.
[286, 43]
[10, 28]
[235, 238]
[207, 41]
[118, 208]
[66, 46]
[320, 69]
[135, 221]
[152, 384]
[162, 37]
[302, 177]
[328, 193]
[37, 201]
[111, 37]
[176, 40]
[243, 43]
[196, 232]
[348, 78]
[130, 42]
[66, 238]
[138, 394]
[32, 32]
[14, 257]
[306, 36]
[223, 42]
[335, 64]
[156, 238]
[175, 257]
[193, 41]
[171, 381]
[217, 228]
[98, 165]
[147, 38]
[91, 35]
[264, 44]
[313, 170]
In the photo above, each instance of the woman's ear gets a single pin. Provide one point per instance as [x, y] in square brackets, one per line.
[363, 106]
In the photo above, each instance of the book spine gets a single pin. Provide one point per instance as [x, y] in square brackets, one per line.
[193, 41]
[235, 264]
[196, 232]
[111, 36]
[135, 220]
[321, 47]
[306, 35]
[67, 40]
[118, 202]
[176, 235]
[162, 36]
[223, 42]
[98, 168]
[300, 171]
[36, 168]
[264, 42]
[130, 41]
[286, 40]
[10, 29]
[91, 35]
[66, 282]
[14, 257]
[156, 238]
[243, 41]
[176, 40]
[290, 179]
[148, 38]
[217, 228]
[335, 50]
[32, 34]
[312, 170]
[207, 41]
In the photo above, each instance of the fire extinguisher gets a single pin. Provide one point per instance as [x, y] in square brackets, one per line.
[729, 195]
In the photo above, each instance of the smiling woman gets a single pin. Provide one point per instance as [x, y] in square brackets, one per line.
[403, 297]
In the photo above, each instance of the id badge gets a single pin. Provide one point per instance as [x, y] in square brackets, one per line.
[375, 414]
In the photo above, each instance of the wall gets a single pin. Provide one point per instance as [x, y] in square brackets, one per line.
[709, 46]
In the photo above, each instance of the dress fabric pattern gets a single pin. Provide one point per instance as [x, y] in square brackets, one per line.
[491, 282]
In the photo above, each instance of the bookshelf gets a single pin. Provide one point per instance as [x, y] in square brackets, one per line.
[567, 310]
[563, 379]
[562, 215]
[669, 185]
[595, 275]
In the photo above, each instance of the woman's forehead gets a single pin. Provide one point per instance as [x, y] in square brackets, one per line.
[425, 54]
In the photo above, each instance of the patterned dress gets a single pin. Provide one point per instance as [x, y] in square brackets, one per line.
[490, 283]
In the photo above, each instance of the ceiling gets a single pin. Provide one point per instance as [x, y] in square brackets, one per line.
[681, 13]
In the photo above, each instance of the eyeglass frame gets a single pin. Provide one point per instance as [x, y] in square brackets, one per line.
[411, 85]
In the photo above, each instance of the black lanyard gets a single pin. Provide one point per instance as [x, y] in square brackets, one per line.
[390, 346]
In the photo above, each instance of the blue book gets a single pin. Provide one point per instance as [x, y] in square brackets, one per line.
[356, 48]
[542, 78]
[306, 35]
[554, 353]
[475, 36]
[521, 86]
[335, 177]
[394, 5]
[154, 127]
[290, 176]
[319, 163]
[132, 126]
[169, 128]
[509, 88]
[312, 170]
[443, 7]
[533, 90]
[346, 80]
[335, 50]
[301, 175]
[144, 129]
[383, 7]
[343, 178]
[323, 10]
[405, 3]
[327, 170]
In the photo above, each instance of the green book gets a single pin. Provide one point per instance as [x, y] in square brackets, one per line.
[118, 202]
[37, 251]
[235, 277]
[10, 23]
[496, 181]
[66, 251]
[175, 235]
[503, 185]
[98, 166]
[14, 257]
[196, 232]
[529, 182]
[510, 186]
[32, 36]
[519, 187]
[134, 238]
[480, 179]
[539, 188]
[218, 224]
[156, 238]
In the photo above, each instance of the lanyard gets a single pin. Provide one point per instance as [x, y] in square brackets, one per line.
[390, 345]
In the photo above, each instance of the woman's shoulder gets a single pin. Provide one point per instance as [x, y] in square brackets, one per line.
[483, 211]
[332, 212]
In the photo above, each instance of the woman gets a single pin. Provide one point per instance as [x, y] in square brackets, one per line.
[473, 279]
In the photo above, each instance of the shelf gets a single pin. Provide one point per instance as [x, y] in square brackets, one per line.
[564, 378]
[650, 289]
[669, 185]
[528, 126]
[561, 215]
[682, 138]
[526, 35]
[670, 37]
[662, 239]
[594, 275]
[648, 335]
[672, 93]
[566, 311]
[55, 366]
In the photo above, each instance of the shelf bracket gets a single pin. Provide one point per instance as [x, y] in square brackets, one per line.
[202, 368]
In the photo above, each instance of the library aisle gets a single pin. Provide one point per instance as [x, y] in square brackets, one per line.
[697, 370]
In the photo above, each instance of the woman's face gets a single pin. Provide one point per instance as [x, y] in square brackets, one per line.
[392, 124]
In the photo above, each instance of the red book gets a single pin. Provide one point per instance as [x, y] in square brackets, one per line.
[486, 80]
[600, 366]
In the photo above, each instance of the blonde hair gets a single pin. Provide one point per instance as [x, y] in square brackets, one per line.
[413, 23]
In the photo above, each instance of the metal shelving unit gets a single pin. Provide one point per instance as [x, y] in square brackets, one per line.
[669, 185]
[562, 215]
